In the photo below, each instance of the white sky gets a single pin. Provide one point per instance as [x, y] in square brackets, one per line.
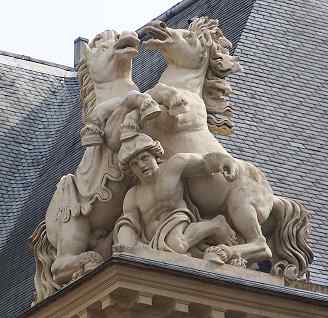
[46, 29]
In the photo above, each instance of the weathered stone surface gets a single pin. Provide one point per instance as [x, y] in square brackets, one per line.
[200, 264]
[76, 234]
[44, 106]
[155, 210]
[193, 203]
[131, 286]
[248, 202]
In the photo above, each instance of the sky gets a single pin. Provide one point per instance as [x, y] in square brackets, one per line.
[46, 29]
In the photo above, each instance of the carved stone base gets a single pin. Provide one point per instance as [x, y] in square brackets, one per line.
[200, 264]
[134, 287]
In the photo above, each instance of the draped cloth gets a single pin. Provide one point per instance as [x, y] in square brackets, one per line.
[75, 194]
[168, 222]
[171, 221]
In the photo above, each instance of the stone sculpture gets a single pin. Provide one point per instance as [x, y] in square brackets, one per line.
[75, 236]
[228, 216]
[155, 211]
[197, 59]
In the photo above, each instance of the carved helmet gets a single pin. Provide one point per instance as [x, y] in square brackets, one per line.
[133, 146]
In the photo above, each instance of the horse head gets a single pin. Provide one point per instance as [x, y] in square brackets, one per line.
[105, 72]
[109, 55]
[198, 60]
[182, 48]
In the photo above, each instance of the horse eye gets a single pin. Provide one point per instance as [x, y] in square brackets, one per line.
[188, 36]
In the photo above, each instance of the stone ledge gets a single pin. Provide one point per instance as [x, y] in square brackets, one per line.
[200, 264]
[127, 288]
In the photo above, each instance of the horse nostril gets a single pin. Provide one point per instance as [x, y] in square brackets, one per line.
[162, 25]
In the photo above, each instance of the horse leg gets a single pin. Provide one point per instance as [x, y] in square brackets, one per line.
[170, 97]
[185, 236]
[72, 260]
[244, 217]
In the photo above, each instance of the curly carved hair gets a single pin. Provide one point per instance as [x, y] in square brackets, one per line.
[220, 64]
[212, 38]
[87, 89]
[87, 85]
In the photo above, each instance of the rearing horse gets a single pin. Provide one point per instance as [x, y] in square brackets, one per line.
[75, 236]
[197, 62]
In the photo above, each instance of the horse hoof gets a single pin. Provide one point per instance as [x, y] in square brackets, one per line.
[219, 254]
[77, 275]
[238, 261]
[88, 262]
[91, 257]
[213, 258]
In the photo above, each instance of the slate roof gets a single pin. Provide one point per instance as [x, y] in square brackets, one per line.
[280, 116]
[280, 102]
[281, 106]
[39, 133]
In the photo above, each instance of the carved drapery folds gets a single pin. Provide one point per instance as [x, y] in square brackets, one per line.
[153, 175]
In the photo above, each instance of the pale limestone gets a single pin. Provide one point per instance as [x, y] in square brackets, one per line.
[125, 290]
[148, 253]
[193, 203]
[76, 234]
[155, 210]
[197, 59]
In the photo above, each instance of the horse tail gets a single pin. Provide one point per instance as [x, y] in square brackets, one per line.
[292, 254]
[44, 254]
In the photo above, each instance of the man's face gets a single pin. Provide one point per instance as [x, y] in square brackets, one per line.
[143, 165]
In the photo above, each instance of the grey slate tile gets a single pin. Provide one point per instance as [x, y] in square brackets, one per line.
[285, 48]
[280, 106]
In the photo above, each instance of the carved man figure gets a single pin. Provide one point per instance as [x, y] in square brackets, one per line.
[154, 210]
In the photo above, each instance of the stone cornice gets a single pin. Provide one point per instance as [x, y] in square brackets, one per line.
[126, 278]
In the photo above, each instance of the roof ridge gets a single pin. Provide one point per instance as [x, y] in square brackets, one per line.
[35, 60]
[174, 10]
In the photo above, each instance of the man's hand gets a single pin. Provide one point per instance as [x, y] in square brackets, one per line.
[222, 163]
[229, 168]
[148, 108]
[133, 100]
[170, 97]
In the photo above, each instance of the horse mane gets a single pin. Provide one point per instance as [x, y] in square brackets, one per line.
[220, 64]
[87, 85]
[87, 89]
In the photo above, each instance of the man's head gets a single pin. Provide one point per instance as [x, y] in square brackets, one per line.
[143, 165]
[139, 155]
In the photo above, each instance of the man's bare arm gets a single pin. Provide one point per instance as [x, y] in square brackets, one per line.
[222, 163]
[192, 164]
[127, 228]
[104, 110]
